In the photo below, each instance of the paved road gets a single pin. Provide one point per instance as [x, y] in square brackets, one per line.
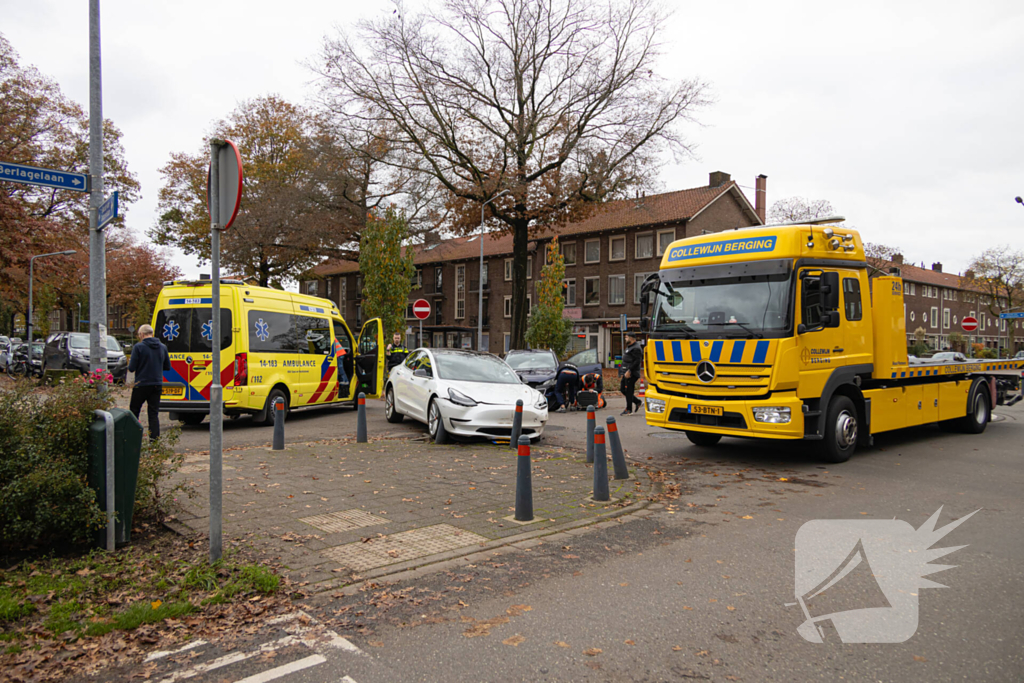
[699, 589]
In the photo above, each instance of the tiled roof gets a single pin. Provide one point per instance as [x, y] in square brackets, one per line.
[659, 209]
[912, 273]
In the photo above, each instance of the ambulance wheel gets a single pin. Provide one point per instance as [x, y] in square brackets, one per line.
[390, 412]
[192, 419]
[979, 412]
[841, 431]
[703, 439]
[268, 409]
[435, 423]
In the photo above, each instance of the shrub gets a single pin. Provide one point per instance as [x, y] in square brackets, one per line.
[44, 494]
[157, 461]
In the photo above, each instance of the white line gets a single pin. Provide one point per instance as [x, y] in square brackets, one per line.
[342, 643]
[284, 618]
[298, 665]
[163, 653]
[348, 679]
[230, 659]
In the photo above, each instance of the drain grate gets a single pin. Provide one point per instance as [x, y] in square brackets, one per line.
[400, 547]
[347, 520]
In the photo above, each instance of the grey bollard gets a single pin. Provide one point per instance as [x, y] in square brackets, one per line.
[361, 419]
[279, 424]
[517, 423]
[618, 457]
[600, 467]
[591, 423]
[524, 483]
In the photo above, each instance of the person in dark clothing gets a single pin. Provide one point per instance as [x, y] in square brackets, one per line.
[631, 362]
[567, 383]
[149, 361]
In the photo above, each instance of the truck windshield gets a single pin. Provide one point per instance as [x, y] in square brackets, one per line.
[746, 307]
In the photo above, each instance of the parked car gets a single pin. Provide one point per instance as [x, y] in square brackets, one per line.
[535, 367]
[954, 356]
[6, 353]
[70, 351]
[22, 365]
[462, 393]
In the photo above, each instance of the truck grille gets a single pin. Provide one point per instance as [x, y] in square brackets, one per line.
[741, 367]
[728, 420]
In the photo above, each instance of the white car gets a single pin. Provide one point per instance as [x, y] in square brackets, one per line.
[462, 393]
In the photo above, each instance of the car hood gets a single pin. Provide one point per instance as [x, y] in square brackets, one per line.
[495, 394]
[535, 375]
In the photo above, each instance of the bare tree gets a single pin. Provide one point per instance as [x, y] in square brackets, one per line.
[554, 100]
[796, 209]
[997, 275]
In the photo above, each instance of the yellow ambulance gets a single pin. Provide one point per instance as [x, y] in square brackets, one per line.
[274, 344]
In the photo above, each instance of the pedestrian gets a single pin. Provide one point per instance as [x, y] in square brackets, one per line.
[149, 362]
[395, 351]
[632, 359]
[567, 383]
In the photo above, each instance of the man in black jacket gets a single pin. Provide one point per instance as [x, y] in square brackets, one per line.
[149, 361]
[631, 362]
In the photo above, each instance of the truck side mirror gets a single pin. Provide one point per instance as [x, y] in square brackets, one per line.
[830, 290]
[833, 319]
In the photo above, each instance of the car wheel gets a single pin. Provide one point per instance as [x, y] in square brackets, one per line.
[268, 409]
[703, 438]
[192, 419]
[841, 431]
[390, 411]
[435, 423]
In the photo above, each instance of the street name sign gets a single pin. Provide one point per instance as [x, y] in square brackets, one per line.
[30, 175]
[1011, 316]
[421, 309]
[969, 324]
[107, 212]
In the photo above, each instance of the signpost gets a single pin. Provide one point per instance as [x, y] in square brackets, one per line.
[622, 339]
[108, 210]
[30, 175]
[969, 324]
[421, 309]
[223, 196]
[1011, 316]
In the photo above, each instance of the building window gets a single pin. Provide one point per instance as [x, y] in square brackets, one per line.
[616, 289]
[851, 298]
[508, 341]
[569, 253]
[311, 288]
[328, 288]
[638, 283]
[529, 267]
[529, 305]
[935, 317]
[460, 292]
[343, 291]
[438, 315]
[665, 238]
[591, 291]
[908, 288]
[617, 248]
[508, 270]
[592, 251]
[569, 291]
[945, 318]
[486, 269]
[438, 340]
[417, 278]
[508, 306]
[645, 245]
[359, 315]
[438, 280]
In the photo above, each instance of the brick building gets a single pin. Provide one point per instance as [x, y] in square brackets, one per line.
[938, 302]
[607, 257]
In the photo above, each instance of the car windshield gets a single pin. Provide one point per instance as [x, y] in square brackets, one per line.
[533, 360]
[472, 367]
[745, 307]
[80, 340]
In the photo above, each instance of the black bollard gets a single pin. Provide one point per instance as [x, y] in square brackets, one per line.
[618, 457]
[600, 467]
[524, 483]
[517, 423]
[591, 423]
[361, 419]
[279, 425]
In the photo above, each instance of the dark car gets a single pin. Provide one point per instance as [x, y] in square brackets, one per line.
[539, 367]
[70, 351]
[20, 362]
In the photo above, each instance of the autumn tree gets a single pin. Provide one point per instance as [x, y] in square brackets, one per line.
[997, 276]
[387, 270]
[798, 209]
[136, 273]
[547, 328]
[556, 101]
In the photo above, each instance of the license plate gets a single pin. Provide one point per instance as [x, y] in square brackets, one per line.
[173, 391]
[705, 410]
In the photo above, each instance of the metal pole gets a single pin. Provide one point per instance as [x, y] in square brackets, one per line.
[97, 239]
[28, 323]
[216, 391]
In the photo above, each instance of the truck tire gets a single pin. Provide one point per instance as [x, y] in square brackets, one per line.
[703, 438]
[390, 411]
[979, 412]
[841, 431]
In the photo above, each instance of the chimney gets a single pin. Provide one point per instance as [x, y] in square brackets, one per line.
[969, 274]
[717, 179]
[431, 237]
[897, 259]
[760, 195]
[937, 267]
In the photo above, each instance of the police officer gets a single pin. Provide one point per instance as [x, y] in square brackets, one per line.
[567, 383]
[395, 351]
[631, 362]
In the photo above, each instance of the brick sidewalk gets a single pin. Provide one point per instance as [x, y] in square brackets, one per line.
[336, 512]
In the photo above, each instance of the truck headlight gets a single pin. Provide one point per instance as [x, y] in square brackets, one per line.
[772, 414]
[655, 405]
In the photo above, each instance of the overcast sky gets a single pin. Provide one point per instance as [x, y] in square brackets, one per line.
[905, 115]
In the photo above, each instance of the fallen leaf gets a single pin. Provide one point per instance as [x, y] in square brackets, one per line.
[677, 648]
[80, 572]
[713, 600]
[630, 642]
[783, 479]
[730, 608]
[156, 604]
[513, 640]
[746, 517]
[593, 652]
[689, 608]
[561, 643]
[516, 610]
[918, 658]
[375, 643]
[624, 584]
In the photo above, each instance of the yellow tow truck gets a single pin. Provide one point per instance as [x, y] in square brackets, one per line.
[781, 332]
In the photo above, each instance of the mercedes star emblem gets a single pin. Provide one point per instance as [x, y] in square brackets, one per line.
[705, 371]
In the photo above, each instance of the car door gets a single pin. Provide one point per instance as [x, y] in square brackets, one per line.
[370, 359]
[420, 387]
[344, 360]
[401, 379]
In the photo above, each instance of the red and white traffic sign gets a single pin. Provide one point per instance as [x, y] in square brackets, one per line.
[969, 324]
[421, 309]
[229, 167]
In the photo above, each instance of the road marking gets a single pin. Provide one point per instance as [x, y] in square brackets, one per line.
[271, 674]
[163, 653]
[227, 660]
[348, 679]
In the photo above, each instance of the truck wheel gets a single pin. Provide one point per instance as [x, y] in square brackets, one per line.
[703, 438]
[840, 430]
[979, 412]
[192, 419]
[390, 412]
[268, 409]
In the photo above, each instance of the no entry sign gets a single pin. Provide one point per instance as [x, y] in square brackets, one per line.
[421, 309]
[969, 324]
